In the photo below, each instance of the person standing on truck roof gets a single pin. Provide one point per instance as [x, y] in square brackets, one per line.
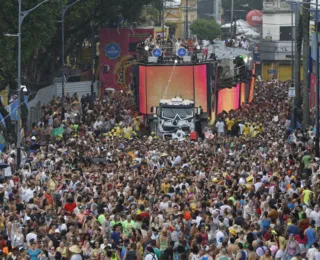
[205, 49]
[177, 45]
[149, 41]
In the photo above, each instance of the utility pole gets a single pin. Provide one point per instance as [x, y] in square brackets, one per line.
[162, 19]
[93, 46]
[293, 64]
[22, 15]
[306, 40]
[297, 56]
[213, 9]
[19, 90]
[317, 85]
[64, 10]
[232, 11]
[187, 19]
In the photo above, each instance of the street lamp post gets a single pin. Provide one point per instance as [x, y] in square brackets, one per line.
[293, 64]
[64, 10]
[232, 10]
[317, 84]
[22, 15]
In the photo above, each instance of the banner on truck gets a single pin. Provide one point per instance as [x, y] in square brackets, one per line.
[117, 47]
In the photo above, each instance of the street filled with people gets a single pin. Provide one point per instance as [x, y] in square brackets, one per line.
[96, 184]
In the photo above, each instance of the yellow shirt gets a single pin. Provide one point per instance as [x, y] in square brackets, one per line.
[136, 124]
[119, 131]
[128, 132]
[306, 196]
[230, 124]
[246, 130]
[165, 187]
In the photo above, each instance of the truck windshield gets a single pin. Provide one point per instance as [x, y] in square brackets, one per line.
[172, 112]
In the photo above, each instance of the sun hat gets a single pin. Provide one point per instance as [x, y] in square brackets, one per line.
[75, 249]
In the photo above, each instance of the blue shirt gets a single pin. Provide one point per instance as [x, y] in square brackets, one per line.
[293, 229]
[115, 236]
[311, 235]
[265, 223]
[33, 254]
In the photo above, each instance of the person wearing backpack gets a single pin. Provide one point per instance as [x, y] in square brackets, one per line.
[131, 254]
[204, 254]
[150, 254]
[241, 254]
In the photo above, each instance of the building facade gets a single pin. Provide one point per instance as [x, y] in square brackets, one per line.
[277, 36]
[181, 14]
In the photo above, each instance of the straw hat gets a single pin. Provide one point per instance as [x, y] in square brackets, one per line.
[75, 249]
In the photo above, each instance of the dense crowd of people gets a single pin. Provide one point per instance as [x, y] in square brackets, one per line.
[95, 186]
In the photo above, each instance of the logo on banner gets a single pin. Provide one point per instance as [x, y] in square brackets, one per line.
[112, 50]
[123, 71]
[182, 52]
[156, 52]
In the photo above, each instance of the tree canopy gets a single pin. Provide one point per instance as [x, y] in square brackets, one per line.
[205, 29]
[41, 34]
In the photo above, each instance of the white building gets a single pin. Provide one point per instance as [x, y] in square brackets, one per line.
[276, 39]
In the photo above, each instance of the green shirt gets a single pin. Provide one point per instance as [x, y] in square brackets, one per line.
[157, 252]
[101, 218]
[113, 223]
[306, 160]
[232, 199]
[128, 226]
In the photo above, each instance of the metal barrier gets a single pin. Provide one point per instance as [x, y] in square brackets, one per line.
[45, 95]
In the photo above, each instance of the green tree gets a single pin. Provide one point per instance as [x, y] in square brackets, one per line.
[155, 11]
[41, 35]
[205, 29]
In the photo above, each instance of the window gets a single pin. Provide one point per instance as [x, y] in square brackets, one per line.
[285, 33]
[172, 112]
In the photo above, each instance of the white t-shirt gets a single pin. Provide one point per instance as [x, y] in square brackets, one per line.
[219, 237]
[31, 236]
[220, 126]
[247, 211]
[258, 185]
[151, 256]
[317, 255]
[316, 217]
[241, 126]
[76, 257]
[205, 44]
[8, 172]
[311, 252]
[164, 205]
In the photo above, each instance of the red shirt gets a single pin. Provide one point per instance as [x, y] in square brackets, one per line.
[69, 207]
[145, 214]
[49, 198]
[299, 240]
